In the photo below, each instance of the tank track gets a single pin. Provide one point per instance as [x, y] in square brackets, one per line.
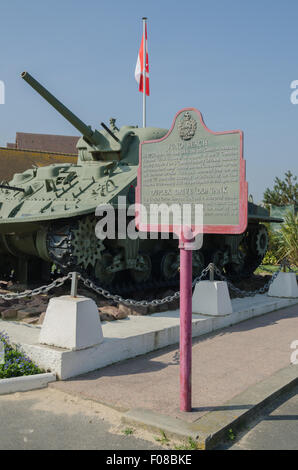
[61, 245]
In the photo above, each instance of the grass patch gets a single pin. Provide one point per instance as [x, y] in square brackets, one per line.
[128, 431]
[191, 445]
[231, 434]
[163, 438]
[15, 363]
[264, 268]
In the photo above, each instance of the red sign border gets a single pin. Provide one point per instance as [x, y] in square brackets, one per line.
[215, 229]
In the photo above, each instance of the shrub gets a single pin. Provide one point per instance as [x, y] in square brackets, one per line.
[286, 239]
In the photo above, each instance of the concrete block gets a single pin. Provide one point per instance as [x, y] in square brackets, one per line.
[71, 323]
[285, 285]
[211, 298]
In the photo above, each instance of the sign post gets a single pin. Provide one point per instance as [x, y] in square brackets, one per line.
[185, 319]
[190, 182]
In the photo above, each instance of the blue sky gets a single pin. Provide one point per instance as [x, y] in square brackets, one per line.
[232, 60]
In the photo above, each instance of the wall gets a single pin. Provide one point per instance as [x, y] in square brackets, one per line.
[16, 161]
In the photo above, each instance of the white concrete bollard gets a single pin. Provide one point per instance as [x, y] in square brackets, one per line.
[71, 323]
[285, 285]
[211, 298]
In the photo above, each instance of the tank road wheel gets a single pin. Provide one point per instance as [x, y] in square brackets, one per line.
[143, 270]
[101, 271]
[169, 266]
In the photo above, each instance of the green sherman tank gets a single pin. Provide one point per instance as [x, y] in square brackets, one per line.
[47, 216]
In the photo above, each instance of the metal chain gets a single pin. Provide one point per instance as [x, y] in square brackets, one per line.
[244, 293]
[139, 303]
[145, 303]
[39, 290]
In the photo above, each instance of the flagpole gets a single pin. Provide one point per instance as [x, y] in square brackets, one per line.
[144, 70]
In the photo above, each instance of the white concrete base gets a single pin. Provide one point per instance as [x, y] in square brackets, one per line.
[285, 285]
[130, 337]
[25, 383]
[211, 298]
[71, 323]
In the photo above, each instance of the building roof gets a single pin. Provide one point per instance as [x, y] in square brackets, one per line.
[45, 143]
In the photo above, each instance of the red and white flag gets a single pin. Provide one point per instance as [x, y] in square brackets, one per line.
[139, 75]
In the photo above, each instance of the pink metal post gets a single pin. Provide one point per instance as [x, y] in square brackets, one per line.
[185, 325]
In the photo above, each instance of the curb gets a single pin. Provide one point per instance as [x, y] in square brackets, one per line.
[213, 428]
[25, 383]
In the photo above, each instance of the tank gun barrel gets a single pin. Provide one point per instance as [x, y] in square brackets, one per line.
[92, 136]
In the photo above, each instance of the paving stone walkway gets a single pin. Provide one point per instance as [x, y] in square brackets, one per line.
[225, 364]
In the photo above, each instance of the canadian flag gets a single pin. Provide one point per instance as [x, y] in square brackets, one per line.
[140, 65]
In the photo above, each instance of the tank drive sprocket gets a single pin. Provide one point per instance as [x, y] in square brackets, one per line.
[260, 240]
[85, 246]
[75, 245]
